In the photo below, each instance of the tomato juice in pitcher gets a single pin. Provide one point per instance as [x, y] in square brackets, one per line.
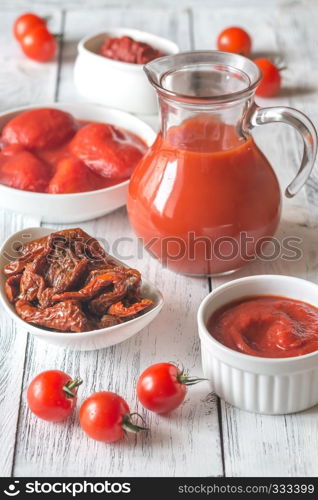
[204, 199]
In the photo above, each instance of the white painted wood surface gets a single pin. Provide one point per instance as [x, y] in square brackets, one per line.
[204, 437]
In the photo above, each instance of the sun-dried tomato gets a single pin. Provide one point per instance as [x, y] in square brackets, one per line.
[100, 304]
[100, 282]
[12, 287]
[64, 316]
[32, 285]
[120, 310]
[17, 266]
[107, 320]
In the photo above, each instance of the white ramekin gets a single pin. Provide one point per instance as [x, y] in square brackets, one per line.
[114, 83]
[256, 384]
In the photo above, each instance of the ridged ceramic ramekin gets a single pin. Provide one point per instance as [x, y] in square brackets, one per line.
[256, 384]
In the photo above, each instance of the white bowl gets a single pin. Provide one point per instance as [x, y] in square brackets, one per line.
[76, 207]
[86, 341]
[115, 83]
[256, 384]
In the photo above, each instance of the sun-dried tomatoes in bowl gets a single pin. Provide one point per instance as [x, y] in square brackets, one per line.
[39, 172]
[64, 288]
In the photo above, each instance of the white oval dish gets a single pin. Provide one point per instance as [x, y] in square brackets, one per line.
[252, 383]
[75, 207]
[86, 341]
[115, 83]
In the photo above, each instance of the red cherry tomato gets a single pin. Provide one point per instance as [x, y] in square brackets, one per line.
[25, 23]
[105, 416]
[52, 395]
[235, 40]
[162, 387]
[39, 44]
[271, 79]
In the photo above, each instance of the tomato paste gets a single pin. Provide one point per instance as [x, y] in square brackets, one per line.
[126, 49]
[198, 192]
[267, 326]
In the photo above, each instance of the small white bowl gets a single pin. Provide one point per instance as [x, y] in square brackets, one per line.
[256, 384]
[75, 207]
[86, 341]
[115, 83]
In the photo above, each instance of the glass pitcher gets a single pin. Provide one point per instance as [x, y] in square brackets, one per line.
[204, 199]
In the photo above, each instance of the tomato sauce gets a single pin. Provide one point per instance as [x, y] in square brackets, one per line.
[197, 192]
[267, 326]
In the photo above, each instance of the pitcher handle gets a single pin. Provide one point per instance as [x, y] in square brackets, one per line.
[291, 116]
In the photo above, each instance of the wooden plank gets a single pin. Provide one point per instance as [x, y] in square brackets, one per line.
[296, 35]
[177, 445]
[12, 353]
[21, 82]
[95, 4]
[253, 444]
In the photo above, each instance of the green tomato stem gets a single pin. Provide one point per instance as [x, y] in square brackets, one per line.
[129, 426]
[72, 384]
[185, 379]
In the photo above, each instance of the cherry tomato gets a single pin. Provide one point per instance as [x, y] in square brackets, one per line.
[235, 40]
[39, 44]
[162, 387]
[52, 395]
[105, 416]
[271, 79]
[25, 23]
[24, 171]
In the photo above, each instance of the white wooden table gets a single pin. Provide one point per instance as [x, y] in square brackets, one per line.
[205, 437]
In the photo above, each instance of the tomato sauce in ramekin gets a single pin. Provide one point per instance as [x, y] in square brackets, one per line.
[267, 326]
